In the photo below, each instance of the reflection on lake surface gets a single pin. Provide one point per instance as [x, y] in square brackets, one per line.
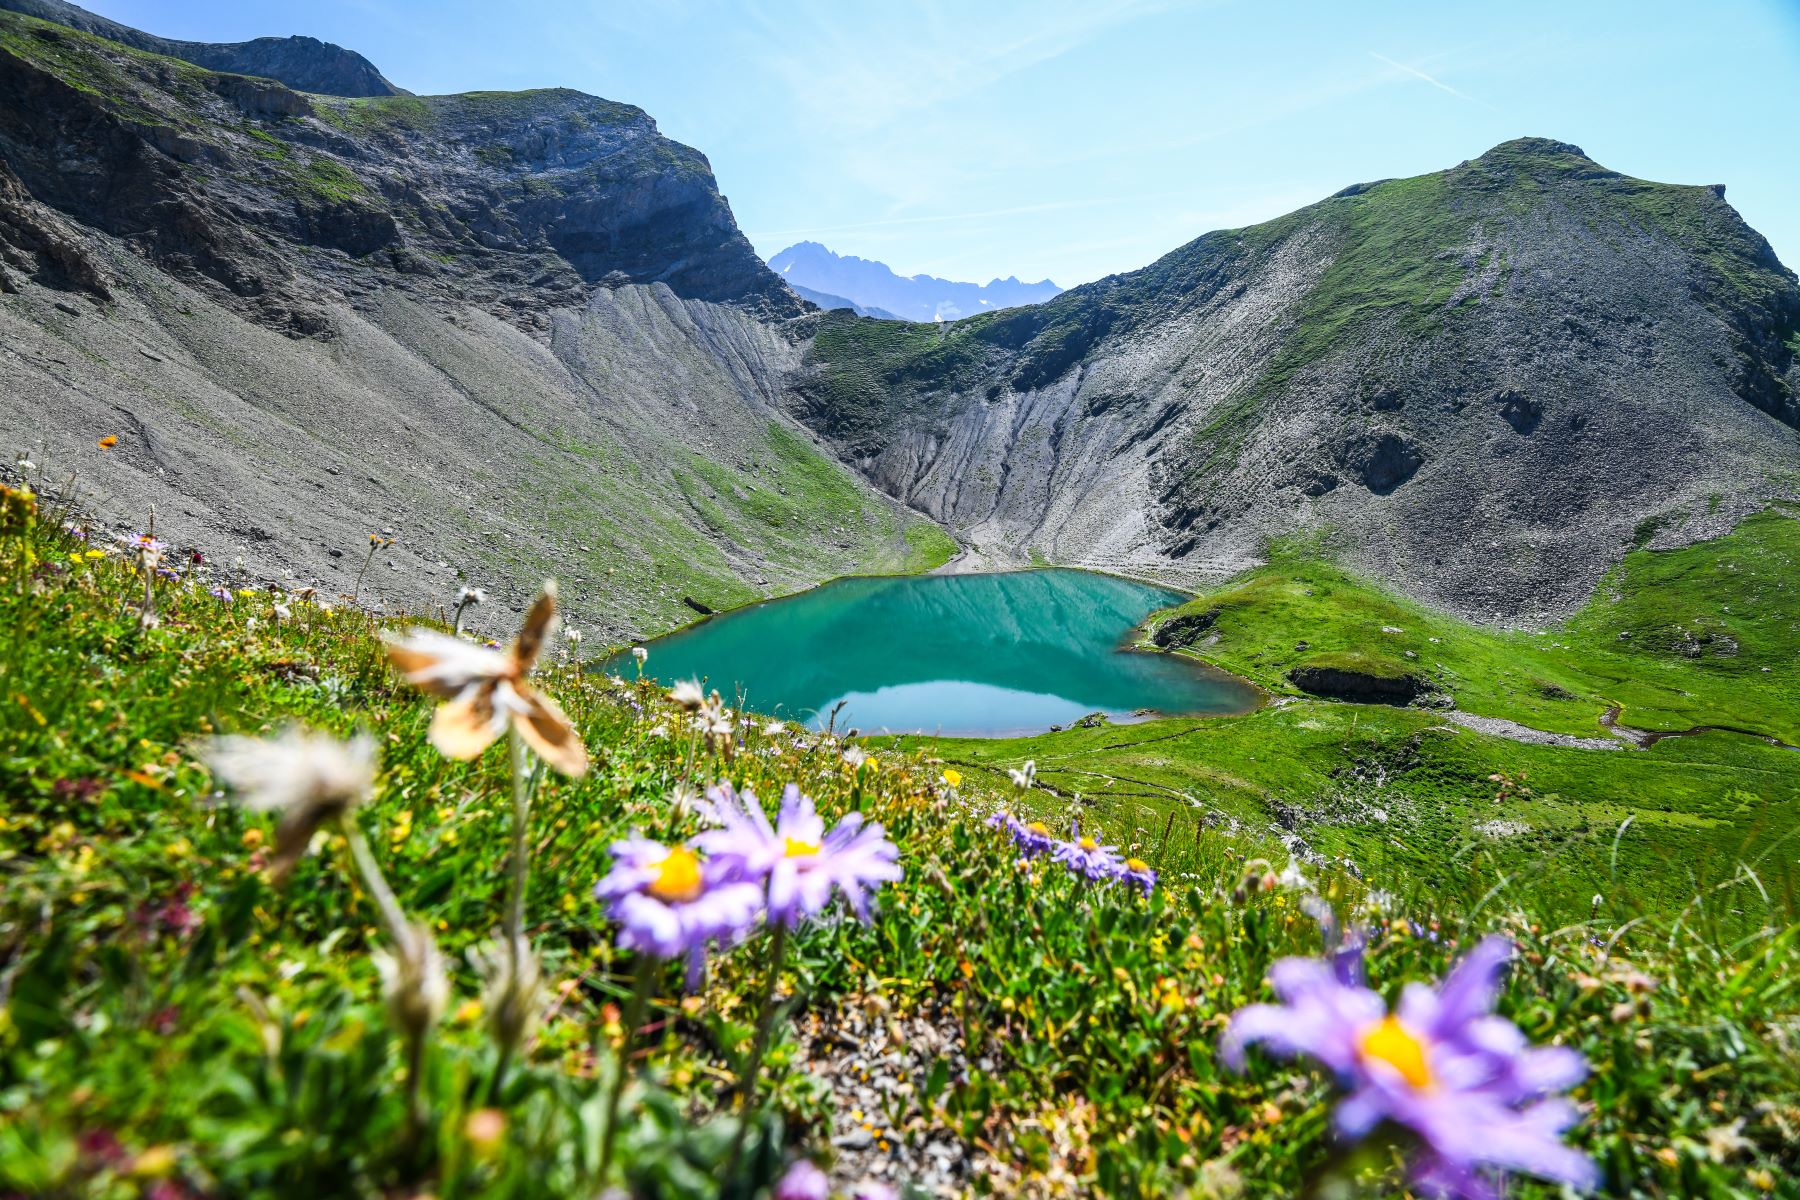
[960, 655]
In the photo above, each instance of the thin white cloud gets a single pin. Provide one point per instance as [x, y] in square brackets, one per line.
[1432, 80]
[945, 218]
[888, 91]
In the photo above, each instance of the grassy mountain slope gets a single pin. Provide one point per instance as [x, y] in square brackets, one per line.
[303, 63]
[1477, 383]
[1676, 638]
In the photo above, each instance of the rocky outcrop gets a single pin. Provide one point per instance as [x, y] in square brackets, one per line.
[38, 245]
[303, 63]
[1362, 687]
[1184, 629]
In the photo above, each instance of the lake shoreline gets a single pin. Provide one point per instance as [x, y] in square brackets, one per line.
[996, 655]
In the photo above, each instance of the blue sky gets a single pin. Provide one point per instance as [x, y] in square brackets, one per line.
[1074, 138]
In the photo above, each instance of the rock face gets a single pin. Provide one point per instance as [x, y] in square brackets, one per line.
[518, 333]
[304, 63]
[1477, 384]
[872, 288]
[278, 204]
[1180, 632]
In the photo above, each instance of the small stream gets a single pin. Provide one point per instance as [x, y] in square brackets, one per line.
[1646, 738]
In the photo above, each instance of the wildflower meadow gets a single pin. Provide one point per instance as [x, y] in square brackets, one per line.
[302, 901]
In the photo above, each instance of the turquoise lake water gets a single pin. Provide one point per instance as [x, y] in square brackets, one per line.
[958, 655]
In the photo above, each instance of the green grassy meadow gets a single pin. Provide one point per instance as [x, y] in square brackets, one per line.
[177, 1026]
[1407, 794]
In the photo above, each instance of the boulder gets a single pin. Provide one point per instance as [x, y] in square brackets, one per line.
[1182, 631]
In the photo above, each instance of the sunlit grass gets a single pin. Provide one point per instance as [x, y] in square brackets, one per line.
[173, 1019]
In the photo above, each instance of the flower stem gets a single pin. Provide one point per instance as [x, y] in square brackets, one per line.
[415, 1072]
[395, 920]
[524, 785]
[356, 591]
[634, 1016]
[746, 1085]
[376, 883]
[147, 617]
[765, 1021]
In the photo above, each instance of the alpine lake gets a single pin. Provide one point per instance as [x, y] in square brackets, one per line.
[994, 655]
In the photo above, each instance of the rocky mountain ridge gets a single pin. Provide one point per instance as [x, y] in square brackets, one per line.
[303, 63]
[828, 301]
[279, 202]
[520, 334]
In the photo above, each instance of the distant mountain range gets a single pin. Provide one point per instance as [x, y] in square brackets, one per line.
[828, 301]
[873, 288]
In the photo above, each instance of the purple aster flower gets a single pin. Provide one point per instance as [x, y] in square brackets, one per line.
[803, 1181]
[1136, 870]
[1031, 837]
[1084, 856]
[220, 593]
[670, 902]
[1442, 1064]
[796, 859]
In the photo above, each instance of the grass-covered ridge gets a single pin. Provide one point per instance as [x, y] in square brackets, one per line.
[175, 1025]
[1700, 635]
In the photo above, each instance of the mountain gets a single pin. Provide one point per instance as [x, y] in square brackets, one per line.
[827, 300]
[1483, 384]
[521, 334]
[868, 285]
[303, 63]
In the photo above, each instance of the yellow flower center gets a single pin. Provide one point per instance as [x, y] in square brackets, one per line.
[677, 877]
[1391, 1042]
[1039, 828]
[797, 849]
[1136, 864]
[1088, 844]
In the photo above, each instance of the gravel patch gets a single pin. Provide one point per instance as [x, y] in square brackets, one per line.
[876, 1065]
[1500, 727]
